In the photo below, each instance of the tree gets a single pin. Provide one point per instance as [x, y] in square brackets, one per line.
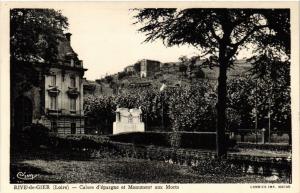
[109, 79]
[34, 37]
[121, 75]
[182, 69]
[183, 62]
[183, 113]
[199, 73]
[241, 99]
[273, 78]
[217, 32]
[260, 103]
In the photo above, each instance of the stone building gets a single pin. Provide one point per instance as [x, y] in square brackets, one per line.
[129, 69]
[57, 100]
[149, 67]
[96, 88]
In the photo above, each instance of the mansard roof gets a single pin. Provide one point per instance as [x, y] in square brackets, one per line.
[65, 49]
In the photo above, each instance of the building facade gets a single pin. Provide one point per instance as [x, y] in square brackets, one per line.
[57, 100]
[129, 69]
[149, 67]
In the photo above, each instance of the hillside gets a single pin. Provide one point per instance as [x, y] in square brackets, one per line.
[172, 74]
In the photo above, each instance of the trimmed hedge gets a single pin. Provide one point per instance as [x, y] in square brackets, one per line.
[186, 140]
[193, 140]
[202, 162]
[140, 138]
[78, 141]
[32, 136]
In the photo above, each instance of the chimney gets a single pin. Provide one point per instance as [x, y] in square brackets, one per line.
[68, 36]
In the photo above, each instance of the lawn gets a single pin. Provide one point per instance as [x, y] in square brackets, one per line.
[63, 167]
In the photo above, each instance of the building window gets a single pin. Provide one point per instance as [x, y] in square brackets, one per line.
[72, 63]
[53, 102]
[52, 80]
[53, 126]
[72, 104]
[72, 82]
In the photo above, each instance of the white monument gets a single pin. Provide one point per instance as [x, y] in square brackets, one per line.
[128, 120]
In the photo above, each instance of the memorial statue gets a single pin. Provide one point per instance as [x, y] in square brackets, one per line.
[128, 120]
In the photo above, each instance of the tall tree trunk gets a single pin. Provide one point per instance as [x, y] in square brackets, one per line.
[221, 104]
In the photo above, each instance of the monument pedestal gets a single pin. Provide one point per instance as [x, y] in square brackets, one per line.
[119, 127]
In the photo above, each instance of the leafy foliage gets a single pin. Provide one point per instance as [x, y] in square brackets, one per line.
[221, 33]
[177, 105]
[250, 99]
[34, 36]
[193, 108]
[38, 135]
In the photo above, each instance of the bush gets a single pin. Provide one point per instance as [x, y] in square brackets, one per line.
[78, 141]
[218, 167]
[37, 133]
[175, 139]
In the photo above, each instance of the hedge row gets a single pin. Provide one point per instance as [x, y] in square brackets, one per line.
[193, 140]
[202, 162]
[78, 141]
[138, 139]
[266, 146]
[91, 146]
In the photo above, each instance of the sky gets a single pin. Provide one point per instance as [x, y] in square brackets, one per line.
[107, 41]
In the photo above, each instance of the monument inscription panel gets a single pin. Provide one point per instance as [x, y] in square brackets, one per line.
[128, 120]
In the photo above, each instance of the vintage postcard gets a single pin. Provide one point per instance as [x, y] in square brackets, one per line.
[149, 96]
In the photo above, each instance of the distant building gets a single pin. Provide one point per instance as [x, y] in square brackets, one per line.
[140, 84]
[57, 102]
[96, 88]
[89, 87]
[129, 69]
[149, 67]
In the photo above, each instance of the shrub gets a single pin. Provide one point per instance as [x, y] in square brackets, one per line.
[37, 133]
[78, 141]
[175, 139]
[218, 167]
